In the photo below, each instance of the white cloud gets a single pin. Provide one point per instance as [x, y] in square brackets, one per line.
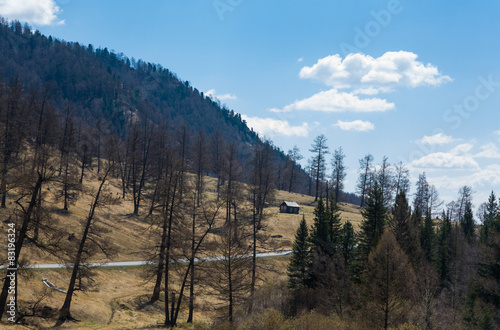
[40, 12]
[335, 101]
[490, 151]
[446, 160]
[437, 139]
[359, 74]
[300, 59]
[458, 157]
[211, 93]
[462, 149]
[356, 125]
[488, 177]
[272, 127]
[484, 178]
[361, 71]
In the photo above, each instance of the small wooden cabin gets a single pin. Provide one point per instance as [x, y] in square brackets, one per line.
[289, 207]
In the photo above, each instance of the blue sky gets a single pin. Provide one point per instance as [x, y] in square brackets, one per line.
[417, 81]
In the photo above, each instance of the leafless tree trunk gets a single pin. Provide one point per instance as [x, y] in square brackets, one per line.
[261, 191]
[20, 239]
[64, 312]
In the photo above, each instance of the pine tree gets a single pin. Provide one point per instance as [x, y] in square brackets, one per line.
[320, 233]
[348, 238]
[334, 223]
[467, 223]
[299, 269]
[374, 220]
[404, 228]
[483, 298]
[444, 244]
[427, 237]
[489, 217]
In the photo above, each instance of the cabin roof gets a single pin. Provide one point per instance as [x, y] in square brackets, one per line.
[291, 204]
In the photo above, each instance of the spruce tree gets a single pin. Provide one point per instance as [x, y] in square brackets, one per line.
[444, 244]
[374, 220]
[348, 238]
[427, 237]
[404, 228]
[483, 298]
[467, 223]
[320, 232]
[334, 224]
[299, 268]
[489, 217]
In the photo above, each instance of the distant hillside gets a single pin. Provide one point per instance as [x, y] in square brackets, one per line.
[100, 84]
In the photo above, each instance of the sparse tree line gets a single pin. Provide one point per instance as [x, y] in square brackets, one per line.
[49, 158]
[403, 266]
[392, 179]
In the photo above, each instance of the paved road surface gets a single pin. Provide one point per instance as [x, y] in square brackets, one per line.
[262, 254]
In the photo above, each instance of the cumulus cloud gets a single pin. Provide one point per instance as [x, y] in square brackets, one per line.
[490, 176]
[446, 160]
[462, 149]
[437, 139]
[359, 71]
[335, 101]
[273, 127]
[359, 74]
[489, 150]
[458, 157]
[211, 93]
[356, 125]
[487, 177]
[40, 12]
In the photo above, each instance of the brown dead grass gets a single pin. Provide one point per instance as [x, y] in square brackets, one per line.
[286, 224]
[114, 301]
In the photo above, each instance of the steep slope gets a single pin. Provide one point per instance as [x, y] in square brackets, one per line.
[102, 85]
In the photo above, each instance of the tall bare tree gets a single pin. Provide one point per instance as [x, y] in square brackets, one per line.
[229, 277]
[261, 193]
[318, 161]
[385, 178]
[293, 157]
[338, 173]
[402, 179]
[364, 179]
[100, 199]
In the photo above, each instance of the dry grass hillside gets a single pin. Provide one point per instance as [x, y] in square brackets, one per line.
[286, 224]
[115, 297]
[128, 232]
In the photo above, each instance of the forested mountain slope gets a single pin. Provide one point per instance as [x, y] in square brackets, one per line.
[108, 91]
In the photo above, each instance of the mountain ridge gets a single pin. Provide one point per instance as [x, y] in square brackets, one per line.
[103, 85]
